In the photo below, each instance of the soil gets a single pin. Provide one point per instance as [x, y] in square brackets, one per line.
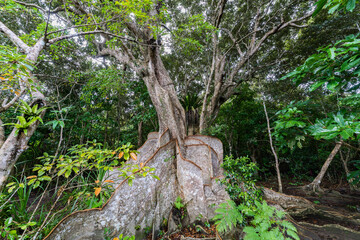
[198, 231]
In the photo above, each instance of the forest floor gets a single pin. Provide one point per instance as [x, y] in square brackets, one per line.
[336, 198]
[191, 232]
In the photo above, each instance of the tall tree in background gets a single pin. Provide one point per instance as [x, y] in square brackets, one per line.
[133, 32]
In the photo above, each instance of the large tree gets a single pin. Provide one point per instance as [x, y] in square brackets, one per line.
[229, 39]
[135, 34]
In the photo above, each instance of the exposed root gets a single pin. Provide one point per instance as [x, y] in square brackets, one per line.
[332, 231]
[313, 188]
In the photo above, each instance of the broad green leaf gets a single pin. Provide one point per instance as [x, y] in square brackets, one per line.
[331, 52]
[22, 120]
[334, 8]
[8, 221]
[55, 123]
[320, 4]
[350, 5]
[352, 64]
[347, 133]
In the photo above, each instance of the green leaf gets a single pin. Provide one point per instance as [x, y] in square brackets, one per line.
[339, 119]
[352, 64]
[350, 5]
[61, 172]
[316, 85]
[45, 178]
[347, 133]
[334, 8]
[332, 85]
[331, 52]
[320, 4]
[67, 174]
[10, 184]
[32, 224]
[37, 183]
[156, 177]
[22, 120]
[8, 221]
[10, 190]
[227, 216]
[130, 182]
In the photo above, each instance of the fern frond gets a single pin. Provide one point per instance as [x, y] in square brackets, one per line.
[228, 216]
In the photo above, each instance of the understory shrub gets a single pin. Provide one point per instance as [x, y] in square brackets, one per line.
[246, 208]
[59, 185]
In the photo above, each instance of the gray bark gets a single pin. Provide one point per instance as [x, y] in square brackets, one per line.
[148, 201]
[2, 133]
[315, 184]
[140, 124]
[161, 89]
[273, 150]
[225, 79]
[15, 145]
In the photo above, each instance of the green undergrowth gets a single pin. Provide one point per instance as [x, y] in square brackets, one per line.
[247, 209]
[32, 204]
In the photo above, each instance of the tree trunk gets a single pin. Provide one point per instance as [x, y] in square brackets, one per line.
[273, 150]
[140, 124]
[15, 145]
[345, 161]
[191, 175]
[2, 133]
[161, 89]
[314, 186]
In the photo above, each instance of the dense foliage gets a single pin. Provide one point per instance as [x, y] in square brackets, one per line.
[223, 65]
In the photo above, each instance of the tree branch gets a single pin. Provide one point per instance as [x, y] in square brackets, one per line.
[6, 105]
[14, 38]
[54, 40]
[123, 58]
[56, 10]
[219, 10]
[253, 50]
[78, 26]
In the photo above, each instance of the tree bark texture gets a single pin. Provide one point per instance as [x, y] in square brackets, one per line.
[190, 174]
[170, 112]
[13, 147]
[314, 186]
[140, 124]
[301, 208]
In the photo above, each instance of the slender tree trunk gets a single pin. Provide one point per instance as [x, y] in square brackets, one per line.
[345, 161]
[140, 124]
[2, 133]
[106, 128]
[273, 150]
[314, 186]
[253, 159]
